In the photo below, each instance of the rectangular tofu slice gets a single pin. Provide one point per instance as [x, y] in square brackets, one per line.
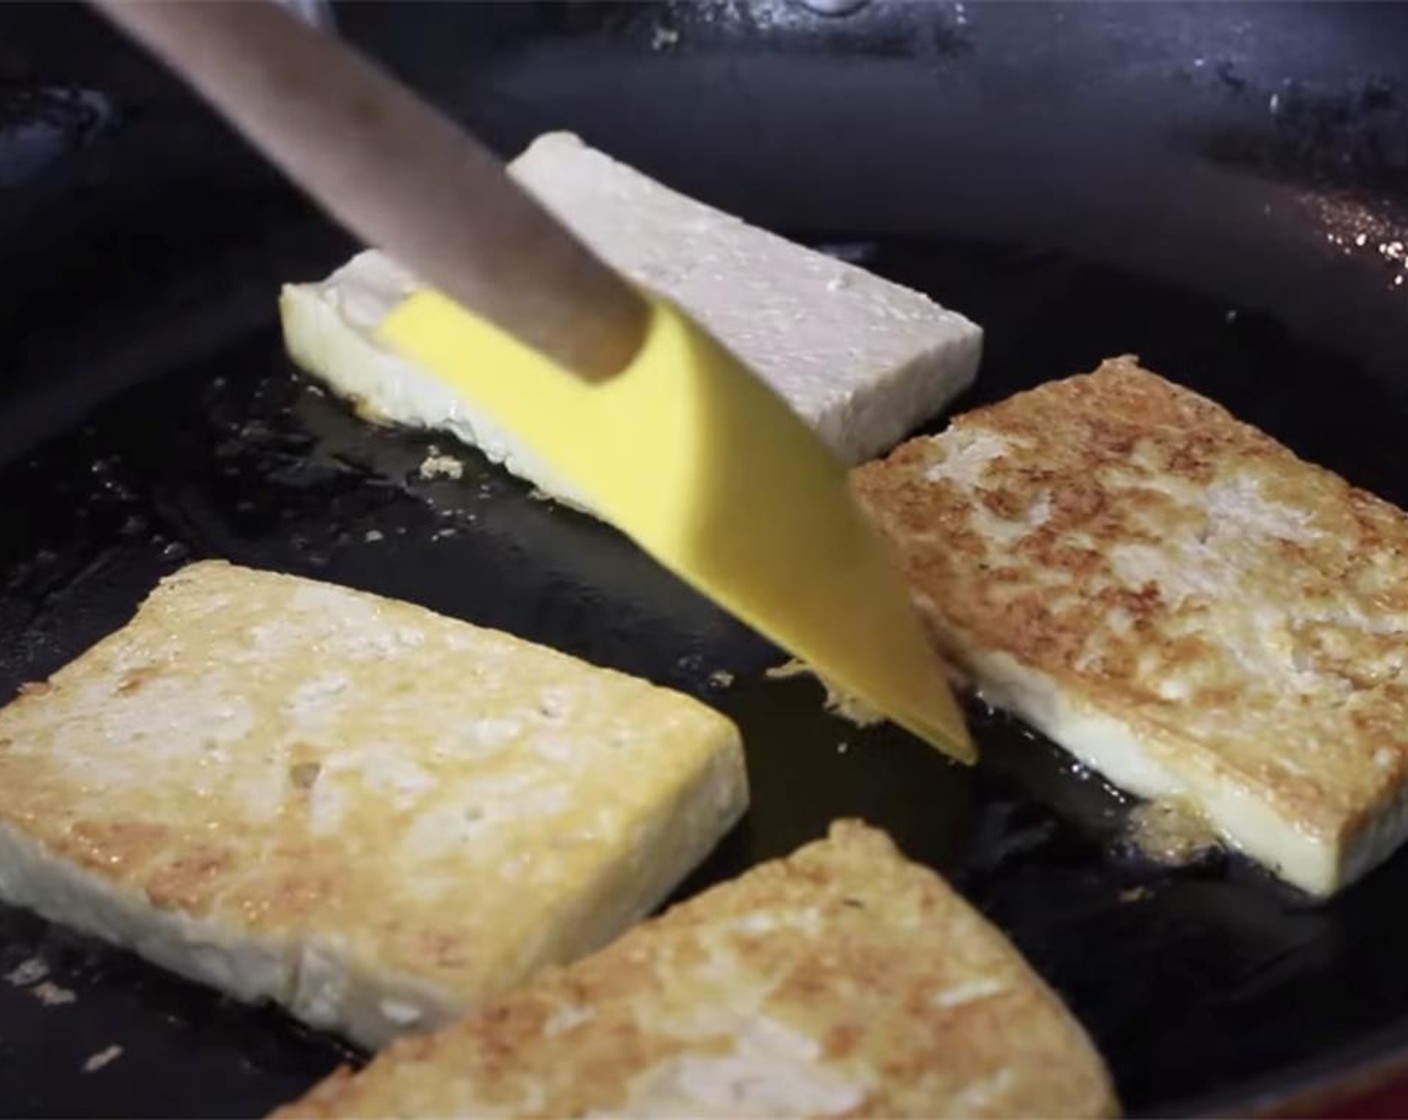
[374, 815]
[862, 360]
[1176, 599]
[842, 981]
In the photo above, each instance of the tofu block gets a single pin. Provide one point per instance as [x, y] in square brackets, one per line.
[373, 815]
[1179, 601]
[862, 360]
[843, 981]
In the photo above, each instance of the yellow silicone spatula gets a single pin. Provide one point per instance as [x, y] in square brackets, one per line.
[652, 420]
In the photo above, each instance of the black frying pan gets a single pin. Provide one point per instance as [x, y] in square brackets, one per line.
[1219, 188]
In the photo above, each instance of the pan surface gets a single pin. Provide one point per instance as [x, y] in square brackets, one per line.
[1187, 183]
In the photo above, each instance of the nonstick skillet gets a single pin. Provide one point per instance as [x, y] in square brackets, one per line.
[1218, 188]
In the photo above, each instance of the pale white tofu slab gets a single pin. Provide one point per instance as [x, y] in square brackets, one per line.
[862, 360]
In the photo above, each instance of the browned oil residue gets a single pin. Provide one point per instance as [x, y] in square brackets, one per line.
[837, 702]
[1170, 832]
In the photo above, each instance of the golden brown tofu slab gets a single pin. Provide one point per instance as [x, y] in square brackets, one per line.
[372, 814]
[842, 981]
[1179, 601]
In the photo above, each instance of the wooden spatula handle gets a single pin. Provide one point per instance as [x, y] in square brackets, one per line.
[395, 171]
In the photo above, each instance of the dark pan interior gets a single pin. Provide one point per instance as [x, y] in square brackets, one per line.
[1143, 197]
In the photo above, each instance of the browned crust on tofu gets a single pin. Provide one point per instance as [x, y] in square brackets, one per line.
[1268, 644]
[899, 985]
[368, 798]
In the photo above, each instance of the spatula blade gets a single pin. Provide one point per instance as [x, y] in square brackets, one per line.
[713, 474]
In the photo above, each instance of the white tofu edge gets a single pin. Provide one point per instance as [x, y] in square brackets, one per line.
[315, 981]
[387, 389]
[1317, 864]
